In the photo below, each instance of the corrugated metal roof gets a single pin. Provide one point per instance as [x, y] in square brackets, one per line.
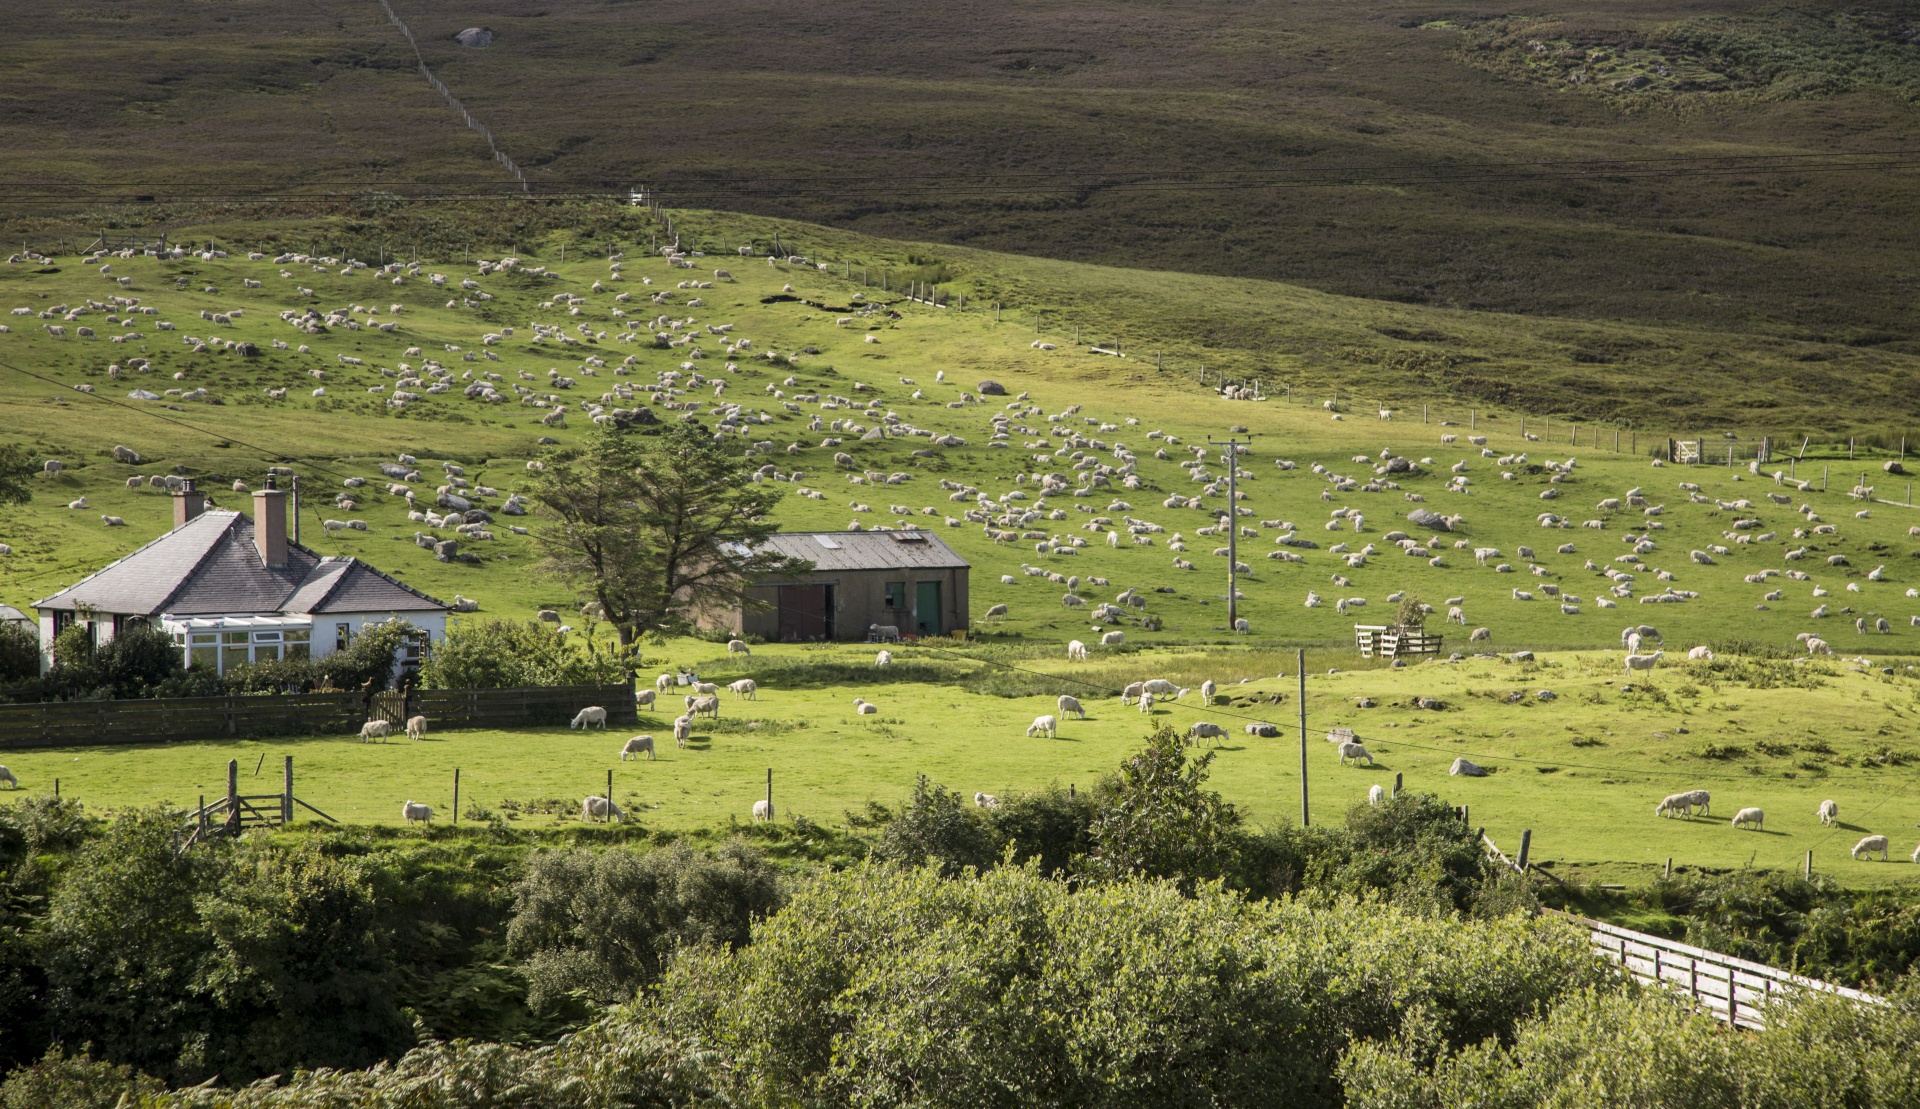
[209, 566]
[831, 551]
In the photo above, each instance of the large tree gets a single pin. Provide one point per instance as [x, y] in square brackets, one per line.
[657, 526]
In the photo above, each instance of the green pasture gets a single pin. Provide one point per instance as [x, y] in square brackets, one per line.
[1582, 770]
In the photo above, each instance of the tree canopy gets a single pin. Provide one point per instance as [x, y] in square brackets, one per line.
[656, 526]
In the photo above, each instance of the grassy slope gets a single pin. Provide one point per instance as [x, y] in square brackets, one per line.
[826, 773]
[888, 117]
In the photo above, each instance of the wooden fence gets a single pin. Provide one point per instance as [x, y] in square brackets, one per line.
[160, 720]
[1733, 990]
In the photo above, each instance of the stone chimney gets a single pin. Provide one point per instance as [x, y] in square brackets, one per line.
[270, 525]
[188, 502]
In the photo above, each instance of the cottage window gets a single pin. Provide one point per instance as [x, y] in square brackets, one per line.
[297, 645]
[205, 650]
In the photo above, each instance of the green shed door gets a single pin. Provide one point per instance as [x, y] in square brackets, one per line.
[926, 608]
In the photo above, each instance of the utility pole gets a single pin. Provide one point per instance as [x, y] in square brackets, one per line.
[1233, 528]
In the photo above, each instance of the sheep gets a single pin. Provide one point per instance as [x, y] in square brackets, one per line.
[738, 647]
[416, 727]
[1868, 845]
[864, 707]
[1354, 751]
[374, 729]
[706, 689]
[600, 808]
[884, 658]
[707, 705]
[1456, 615]
[986, 800]
[643, 698]
[1202, 729]
[762, 811]
[1076, 651]
[1700, 654]
[1753, 818]
[113, 521]
[1479, 635]
[1465, 768]
[1113, 639]
[1146, 702]
[1828, 812]
[7, 777]
[1642, 662]
[682, 729]
[1043, 725]
[1161, 687]
[1700, 799]
[1676, 803]
[1069, 705]
[1377, 795]
[410, 812]
[663, 683]
[637, 746]
[588, 717]
[1207, 690]
[883, 633]
[1817, 646]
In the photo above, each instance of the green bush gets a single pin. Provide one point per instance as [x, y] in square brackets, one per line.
[501, 654]
[19, 654]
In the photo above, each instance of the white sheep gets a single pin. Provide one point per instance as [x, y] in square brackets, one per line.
[1675, 803]
[884, 658]
[682, 730]
[643, 698]
[1076, 651]
[1043, 725]
[738, 647]
[664, 682]
[416, 727]
[1202, 729]
[1700, 654]
[1753, 818]
[1354, 751]
[410, 812]
[7, 777]
[864, 707]
[1207, 691]
[1699, 799]
[1377, 795]
[1828, 812]
[762, 811]
[1868, 845]
[1069, 705]
[986, 800]
[998, 612]
[637, 746]
[374, 729]
[1643, 663]
[1113, 639]
[588, 717]
[600, 808]
[744, 688]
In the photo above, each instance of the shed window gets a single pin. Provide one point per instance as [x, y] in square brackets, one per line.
[896, 594]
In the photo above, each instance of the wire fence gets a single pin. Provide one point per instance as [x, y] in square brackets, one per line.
[453, 101]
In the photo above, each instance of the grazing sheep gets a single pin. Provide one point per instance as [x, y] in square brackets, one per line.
[588, 717]
[1700, 654]
[1868, 845]
[1113, 639]
[707, 705]
[1828, 812]
[643, 698]
[1076, 651]
[705, 689]
[762, 811]
[1377, 795]
[986, 800]
[1676, 803]
[1457, 615]
[1043, 725]
[1752, 818]
[682, 729]
[997, 612]
[1070, 706]
[7, 777]
[375, 729]
[884, 658]
[663, 683]
[411, 812]
[1464, 768]
[1479, 635]
[1699, 799]
[1818, 646]
[637, 746]
[416, 727]
[744, 688]
[1354, 751]
[600, 808]
[738, 647]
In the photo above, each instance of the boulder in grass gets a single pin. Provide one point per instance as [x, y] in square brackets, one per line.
[475, 37]
[1463, 768]
[992, 389]
[1426, 518]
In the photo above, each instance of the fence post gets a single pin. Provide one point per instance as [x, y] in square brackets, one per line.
[1526, 848]
[1397, 780]
[769, 793]
[233, 796]
[286, 791]
[609, 794]
[1473, 419]
[456, 795]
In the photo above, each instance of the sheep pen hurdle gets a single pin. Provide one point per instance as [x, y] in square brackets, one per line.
[236, 812]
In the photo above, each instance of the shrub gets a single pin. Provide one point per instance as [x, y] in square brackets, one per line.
[936, 827]
[501, 654]
[19, 654]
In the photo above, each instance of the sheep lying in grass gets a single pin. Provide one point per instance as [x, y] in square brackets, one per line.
[986, 800]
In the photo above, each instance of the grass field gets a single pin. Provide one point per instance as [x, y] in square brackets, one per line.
[1605, 764]
[1582, 771]
[1361, 148]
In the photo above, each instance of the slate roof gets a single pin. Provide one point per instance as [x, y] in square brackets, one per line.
[831, 551]
[210, 567]
[10, 614]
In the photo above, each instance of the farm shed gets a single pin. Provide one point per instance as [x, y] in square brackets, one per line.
[233, 589]
[907, 579]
